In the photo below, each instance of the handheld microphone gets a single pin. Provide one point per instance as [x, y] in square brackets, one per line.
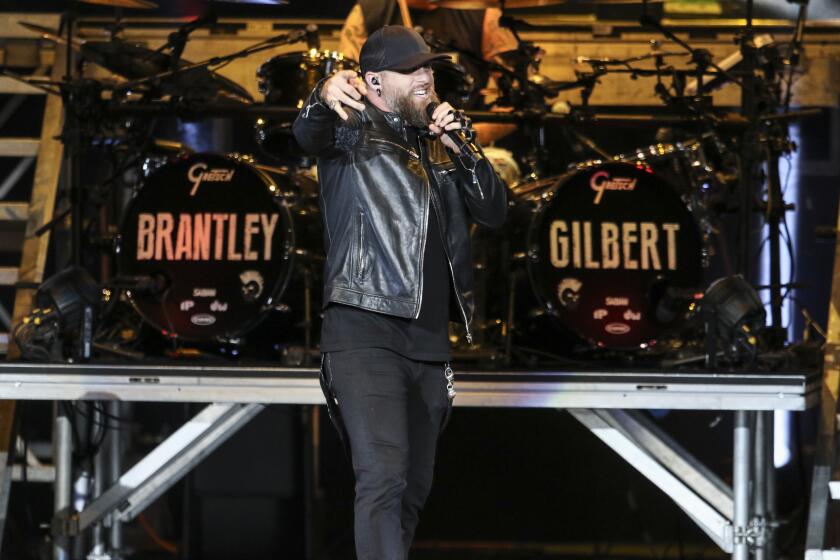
[468, 148]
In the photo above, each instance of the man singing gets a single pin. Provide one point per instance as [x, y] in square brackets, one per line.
[397, 194]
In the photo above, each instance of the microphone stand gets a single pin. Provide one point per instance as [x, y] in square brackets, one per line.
[795, 49]
[177, 40]
[699, 56]
[285, 39]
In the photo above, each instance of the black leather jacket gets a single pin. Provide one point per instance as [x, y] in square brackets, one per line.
[376, 191]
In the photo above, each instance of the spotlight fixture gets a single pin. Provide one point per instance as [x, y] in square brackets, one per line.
[734, 315]
[71, 298]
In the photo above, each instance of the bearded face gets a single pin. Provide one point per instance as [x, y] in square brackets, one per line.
[408, 94]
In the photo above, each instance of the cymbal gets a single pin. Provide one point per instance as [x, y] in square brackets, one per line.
[49, 34]
[514, 4]
[135, 4]
[135, 62]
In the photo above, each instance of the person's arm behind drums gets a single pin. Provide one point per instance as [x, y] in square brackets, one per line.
[495, 40]
[353, 34]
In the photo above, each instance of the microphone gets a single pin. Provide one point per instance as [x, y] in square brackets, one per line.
[313, 40]
[468, 148]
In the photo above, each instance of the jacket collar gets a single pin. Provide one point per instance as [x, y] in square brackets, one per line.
[392, 127]
[389, 125]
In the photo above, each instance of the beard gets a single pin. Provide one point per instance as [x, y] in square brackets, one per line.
[409, 108]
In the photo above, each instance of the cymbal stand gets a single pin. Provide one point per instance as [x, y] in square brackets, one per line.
[72, 138]
[177, 40]
[529, 97]
[284, 39]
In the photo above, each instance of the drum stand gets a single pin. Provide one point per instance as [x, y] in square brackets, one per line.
[755, 529]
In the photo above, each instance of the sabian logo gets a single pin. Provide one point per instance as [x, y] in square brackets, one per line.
[198, 175]
[601, 181]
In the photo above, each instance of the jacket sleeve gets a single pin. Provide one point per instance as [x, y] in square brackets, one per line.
[314, 127]
[483, 191]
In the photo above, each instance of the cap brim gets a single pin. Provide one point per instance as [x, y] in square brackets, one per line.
[416, 61]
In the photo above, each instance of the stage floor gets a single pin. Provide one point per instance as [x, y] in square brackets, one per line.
[696, 390]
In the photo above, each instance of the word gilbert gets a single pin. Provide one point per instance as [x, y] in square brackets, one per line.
[205, 236]
[626, 245]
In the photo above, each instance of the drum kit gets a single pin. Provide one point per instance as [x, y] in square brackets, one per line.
[610, 256]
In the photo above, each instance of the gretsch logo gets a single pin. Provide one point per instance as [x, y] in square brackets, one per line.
[601, 181]
[199, 173]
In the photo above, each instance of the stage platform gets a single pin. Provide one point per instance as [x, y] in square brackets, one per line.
[692, 390]
[610, 404]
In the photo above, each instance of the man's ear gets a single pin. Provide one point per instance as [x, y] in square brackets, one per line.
[373, 79]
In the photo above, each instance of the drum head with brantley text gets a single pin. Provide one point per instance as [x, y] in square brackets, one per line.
[218, 233]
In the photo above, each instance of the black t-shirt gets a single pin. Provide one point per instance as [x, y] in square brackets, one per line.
[426, 338]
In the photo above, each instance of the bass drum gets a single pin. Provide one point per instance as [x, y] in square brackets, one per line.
[219, 237]
[609, 249]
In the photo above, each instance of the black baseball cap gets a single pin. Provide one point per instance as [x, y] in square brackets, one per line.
[397, 48]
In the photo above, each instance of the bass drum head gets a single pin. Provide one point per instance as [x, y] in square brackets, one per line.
[217, 234]
[605, 245]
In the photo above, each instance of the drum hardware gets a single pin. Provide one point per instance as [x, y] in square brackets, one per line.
[188, 68]
[516, 72]
[177, 40]
[158, 153]
[286, 80]
[521, 88]
[136, 62]
[759, 90]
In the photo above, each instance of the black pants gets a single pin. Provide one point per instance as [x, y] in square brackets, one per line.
[393, 410]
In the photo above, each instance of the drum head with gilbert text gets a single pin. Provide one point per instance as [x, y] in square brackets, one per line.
[217, 235]
[605, 245]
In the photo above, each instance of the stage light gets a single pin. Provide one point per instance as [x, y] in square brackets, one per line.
[738, 314]
[67, 294]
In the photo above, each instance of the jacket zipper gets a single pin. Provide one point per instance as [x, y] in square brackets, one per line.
[474, 175]
[361, 260]
[454, 284]
[427, 186]
[412, 153]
